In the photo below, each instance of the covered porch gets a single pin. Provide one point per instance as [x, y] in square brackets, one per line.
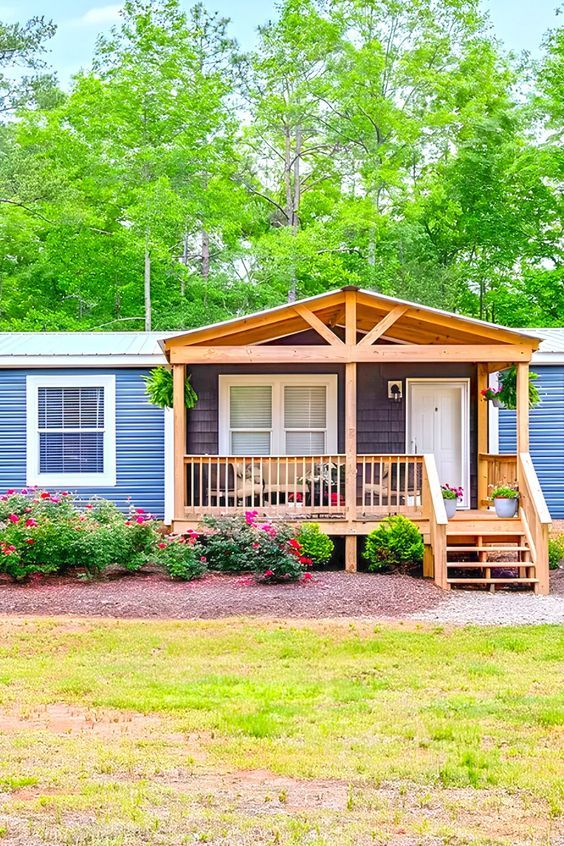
[349, 407]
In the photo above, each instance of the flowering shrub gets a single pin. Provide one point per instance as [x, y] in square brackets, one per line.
[396, 542]
[246, 543]
[43, 532]
[315, 544]
[182, 556]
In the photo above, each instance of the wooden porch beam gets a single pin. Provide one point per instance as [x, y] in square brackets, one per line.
[351, 550]
[179, 441]
[482, 435]
[340, 354]
[350, 319]
[382, 327]
[318, 325]
[523, 407]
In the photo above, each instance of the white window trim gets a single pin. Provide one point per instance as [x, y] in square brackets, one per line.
[74, 480]
[277, 382]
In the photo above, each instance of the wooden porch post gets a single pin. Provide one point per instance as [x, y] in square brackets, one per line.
[482, 434]
[523, 407]
[350, 431]
[179, 413]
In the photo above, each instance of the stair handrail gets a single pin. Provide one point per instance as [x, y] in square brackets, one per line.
[536, 518]
[435, 511]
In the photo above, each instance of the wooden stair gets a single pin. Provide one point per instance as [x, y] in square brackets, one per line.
[473, 537]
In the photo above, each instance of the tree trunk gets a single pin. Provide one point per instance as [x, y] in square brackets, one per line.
[205, 255]
[293, 198]
[185, 263]
[147, 290]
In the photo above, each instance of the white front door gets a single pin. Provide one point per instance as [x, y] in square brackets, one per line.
[438, 423]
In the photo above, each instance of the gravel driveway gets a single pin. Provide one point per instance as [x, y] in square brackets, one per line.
[495, 609]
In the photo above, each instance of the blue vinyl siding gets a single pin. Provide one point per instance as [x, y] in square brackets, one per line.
[139, 438]
[547, 435]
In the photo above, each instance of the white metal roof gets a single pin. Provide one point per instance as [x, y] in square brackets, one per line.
[81, 349]
[142, 349]
[551, 349]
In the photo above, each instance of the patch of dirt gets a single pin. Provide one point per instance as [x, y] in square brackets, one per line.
[60, 718]
[152, 596]
[263, 790]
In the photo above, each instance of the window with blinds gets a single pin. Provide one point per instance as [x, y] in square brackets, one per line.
[305, 419]
[250, 419]
[282, 415]
[71, 429]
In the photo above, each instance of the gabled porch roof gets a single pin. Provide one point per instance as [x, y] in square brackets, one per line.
[377, 317]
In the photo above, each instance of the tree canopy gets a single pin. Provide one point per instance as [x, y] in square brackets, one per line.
[180, 180]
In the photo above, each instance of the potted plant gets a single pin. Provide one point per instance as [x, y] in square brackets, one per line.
[159, 389]
[506, 500]
[493, 395]
[451, 496]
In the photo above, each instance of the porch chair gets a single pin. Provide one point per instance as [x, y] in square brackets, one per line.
[248, 482]
[281, 481]
[379, 493]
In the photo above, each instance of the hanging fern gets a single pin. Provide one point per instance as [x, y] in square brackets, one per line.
[508, 392]
[159, 389]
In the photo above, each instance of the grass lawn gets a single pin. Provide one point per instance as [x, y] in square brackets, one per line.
[237, 732]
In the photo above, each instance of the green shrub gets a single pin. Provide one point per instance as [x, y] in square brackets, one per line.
[43, 532]
[555, 551]
[249, 543]
[397, 542]
[315, 544]
[182, 557]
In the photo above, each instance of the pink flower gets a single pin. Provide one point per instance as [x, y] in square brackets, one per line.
[250, 517]
[24, 490]
[3, 498]
[31, 521]
[11, 491]
[140, 510]
[55, 499]
[13, 518]
[307, 577]
[90, 506]
[140, 519]
[162, 545]
[268, 573]
[203, 559]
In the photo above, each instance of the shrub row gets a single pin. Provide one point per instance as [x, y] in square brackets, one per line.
[52, 533]
[43, 532]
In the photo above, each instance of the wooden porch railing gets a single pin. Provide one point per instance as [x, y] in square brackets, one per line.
[289, 485]
[303, 486]
[535, 517]
[494, 470]
[389, 484]
[434, 510]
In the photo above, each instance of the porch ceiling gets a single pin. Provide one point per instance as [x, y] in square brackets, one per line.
[386, 318]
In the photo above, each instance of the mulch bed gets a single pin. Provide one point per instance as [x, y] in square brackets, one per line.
[151, 595]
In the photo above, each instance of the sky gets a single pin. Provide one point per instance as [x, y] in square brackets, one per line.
[520, 24]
